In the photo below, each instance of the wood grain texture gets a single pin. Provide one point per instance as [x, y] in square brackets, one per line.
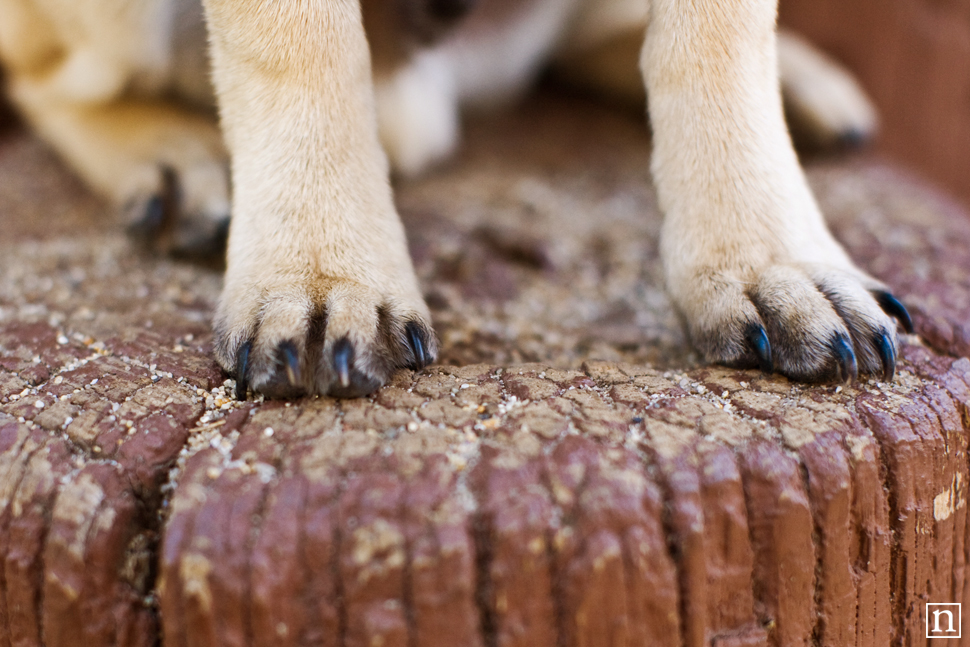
[568, 476]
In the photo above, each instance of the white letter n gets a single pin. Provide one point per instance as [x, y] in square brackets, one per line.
[936, 621]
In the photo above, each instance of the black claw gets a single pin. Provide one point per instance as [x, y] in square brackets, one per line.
[148, 226]
[291, 362]
[758, 339]
[205, 244]
[242, 368]
[853, 138]
[419, 346]
[450, 9]
[160, 213]
[343, 358]
[888, 353]
[894, 308]
[848, 367]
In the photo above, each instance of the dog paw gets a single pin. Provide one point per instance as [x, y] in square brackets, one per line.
[811, 323]
[329, 336]
[182, 213]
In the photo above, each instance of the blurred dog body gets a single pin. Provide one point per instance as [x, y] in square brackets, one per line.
[495, 55]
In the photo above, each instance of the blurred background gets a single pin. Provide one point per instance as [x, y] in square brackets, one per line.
[913, 57]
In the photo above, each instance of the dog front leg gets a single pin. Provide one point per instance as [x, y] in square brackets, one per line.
[320, 295]
[747, 256]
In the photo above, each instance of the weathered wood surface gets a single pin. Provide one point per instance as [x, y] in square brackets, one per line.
[568, 476]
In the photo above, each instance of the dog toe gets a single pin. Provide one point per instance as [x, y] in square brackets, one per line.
[344, 340]
[812, 324]
[346, 377]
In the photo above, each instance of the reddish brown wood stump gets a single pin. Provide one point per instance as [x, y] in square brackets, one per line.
[568, 475]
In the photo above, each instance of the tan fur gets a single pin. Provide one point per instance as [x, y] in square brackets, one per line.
[320, 295]
[314, 224]
[743, 240]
